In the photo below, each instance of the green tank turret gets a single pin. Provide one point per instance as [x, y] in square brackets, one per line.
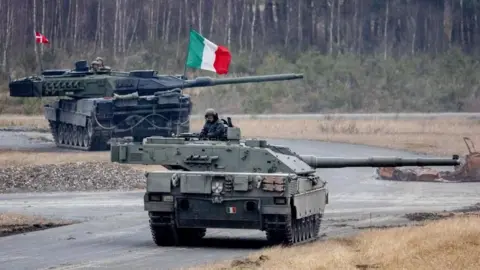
[97, 105]
[84, 83]
[235, 183]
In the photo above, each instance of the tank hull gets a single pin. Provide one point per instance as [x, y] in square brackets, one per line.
[182, 212]
[90, 124]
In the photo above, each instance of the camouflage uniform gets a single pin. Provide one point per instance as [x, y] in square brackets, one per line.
[214, 129]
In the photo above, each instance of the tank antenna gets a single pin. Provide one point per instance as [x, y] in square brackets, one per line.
[184, 78]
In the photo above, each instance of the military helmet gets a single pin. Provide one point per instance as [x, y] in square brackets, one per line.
[99, 60]
[210, 111]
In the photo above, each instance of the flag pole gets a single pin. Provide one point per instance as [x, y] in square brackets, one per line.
[186, 56]
[39, 55]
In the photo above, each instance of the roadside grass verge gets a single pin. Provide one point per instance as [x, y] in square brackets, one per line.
[14, 223]
[441, 245]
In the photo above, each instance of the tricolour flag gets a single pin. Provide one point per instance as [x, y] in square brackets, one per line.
[39, 38]
[231, 210]
[204, 54]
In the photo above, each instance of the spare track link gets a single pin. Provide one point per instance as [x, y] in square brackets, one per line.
[165, 232]
[77, 137]
[289, 231]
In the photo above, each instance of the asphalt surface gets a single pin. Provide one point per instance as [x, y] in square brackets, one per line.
[114, 234]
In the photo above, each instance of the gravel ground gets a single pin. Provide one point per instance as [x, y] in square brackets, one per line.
[78, 176]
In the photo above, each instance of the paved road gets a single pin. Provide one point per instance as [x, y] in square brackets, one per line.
[114, 233]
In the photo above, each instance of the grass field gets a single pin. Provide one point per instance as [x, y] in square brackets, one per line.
[441, 245]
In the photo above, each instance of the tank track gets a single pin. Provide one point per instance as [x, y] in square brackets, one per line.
[283, 229]
[71, 136]
[167, 233]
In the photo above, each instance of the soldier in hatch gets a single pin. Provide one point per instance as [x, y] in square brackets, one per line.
[95, 66]
[101, 67]
[213, 127]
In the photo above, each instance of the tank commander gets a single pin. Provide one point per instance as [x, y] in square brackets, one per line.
[102, 67]
[95, 66]
[213, 127]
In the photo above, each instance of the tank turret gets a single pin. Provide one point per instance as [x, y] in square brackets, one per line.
[84, 83]
[99, 105]
[229, 182]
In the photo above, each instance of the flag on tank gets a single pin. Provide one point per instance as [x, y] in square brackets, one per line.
[206, 55]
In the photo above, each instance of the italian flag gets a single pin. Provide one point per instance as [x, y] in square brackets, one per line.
[231, 210]
[204, 54]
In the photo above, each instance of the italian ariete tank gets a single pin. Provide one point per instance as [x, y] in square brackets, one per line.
[103, 105]
[237, 184]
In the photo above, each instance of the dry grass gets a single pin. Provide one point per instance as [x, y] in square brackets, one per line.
[436, 136]
[8, 219]
[447, 244]
[13, 223]
[33, 122]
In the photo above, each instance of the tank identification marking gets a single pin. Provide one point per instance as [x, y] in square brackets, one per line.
[231, 210]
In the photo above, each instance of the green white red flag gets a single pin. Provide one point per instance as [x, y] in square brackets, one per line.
[206, 55]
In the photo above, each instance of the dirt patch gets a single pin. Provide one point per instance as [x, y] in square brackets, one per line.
[383, 227]
[472, 208]
[422, 216]
[247, 263]
[429, 216]
[13, 223]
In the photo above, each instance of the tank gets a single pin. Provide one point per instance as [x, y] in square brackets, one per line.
[236, 184]
[95, 107]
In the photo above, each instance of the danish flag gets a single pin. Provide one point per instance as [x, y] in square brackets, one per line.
[39, 38]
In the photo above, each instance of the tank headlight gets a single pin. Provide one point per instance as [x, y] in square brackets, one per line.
[167, 198]
[155, 198]
[217, 187]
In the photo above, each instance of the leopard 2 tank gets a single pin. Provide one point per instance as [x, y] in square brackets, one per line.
[237, 184]
[97, 106]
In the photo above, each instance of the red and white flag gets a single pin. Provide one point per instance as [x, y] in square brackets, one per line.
[39, 38]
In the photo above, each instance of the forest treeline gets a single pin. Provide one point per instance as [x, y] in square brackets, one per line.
[357, 55]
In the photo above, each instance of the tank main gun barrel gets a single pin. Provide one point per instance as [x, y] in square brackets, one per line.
[318, 162]
[144, 82]
[208, 81]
